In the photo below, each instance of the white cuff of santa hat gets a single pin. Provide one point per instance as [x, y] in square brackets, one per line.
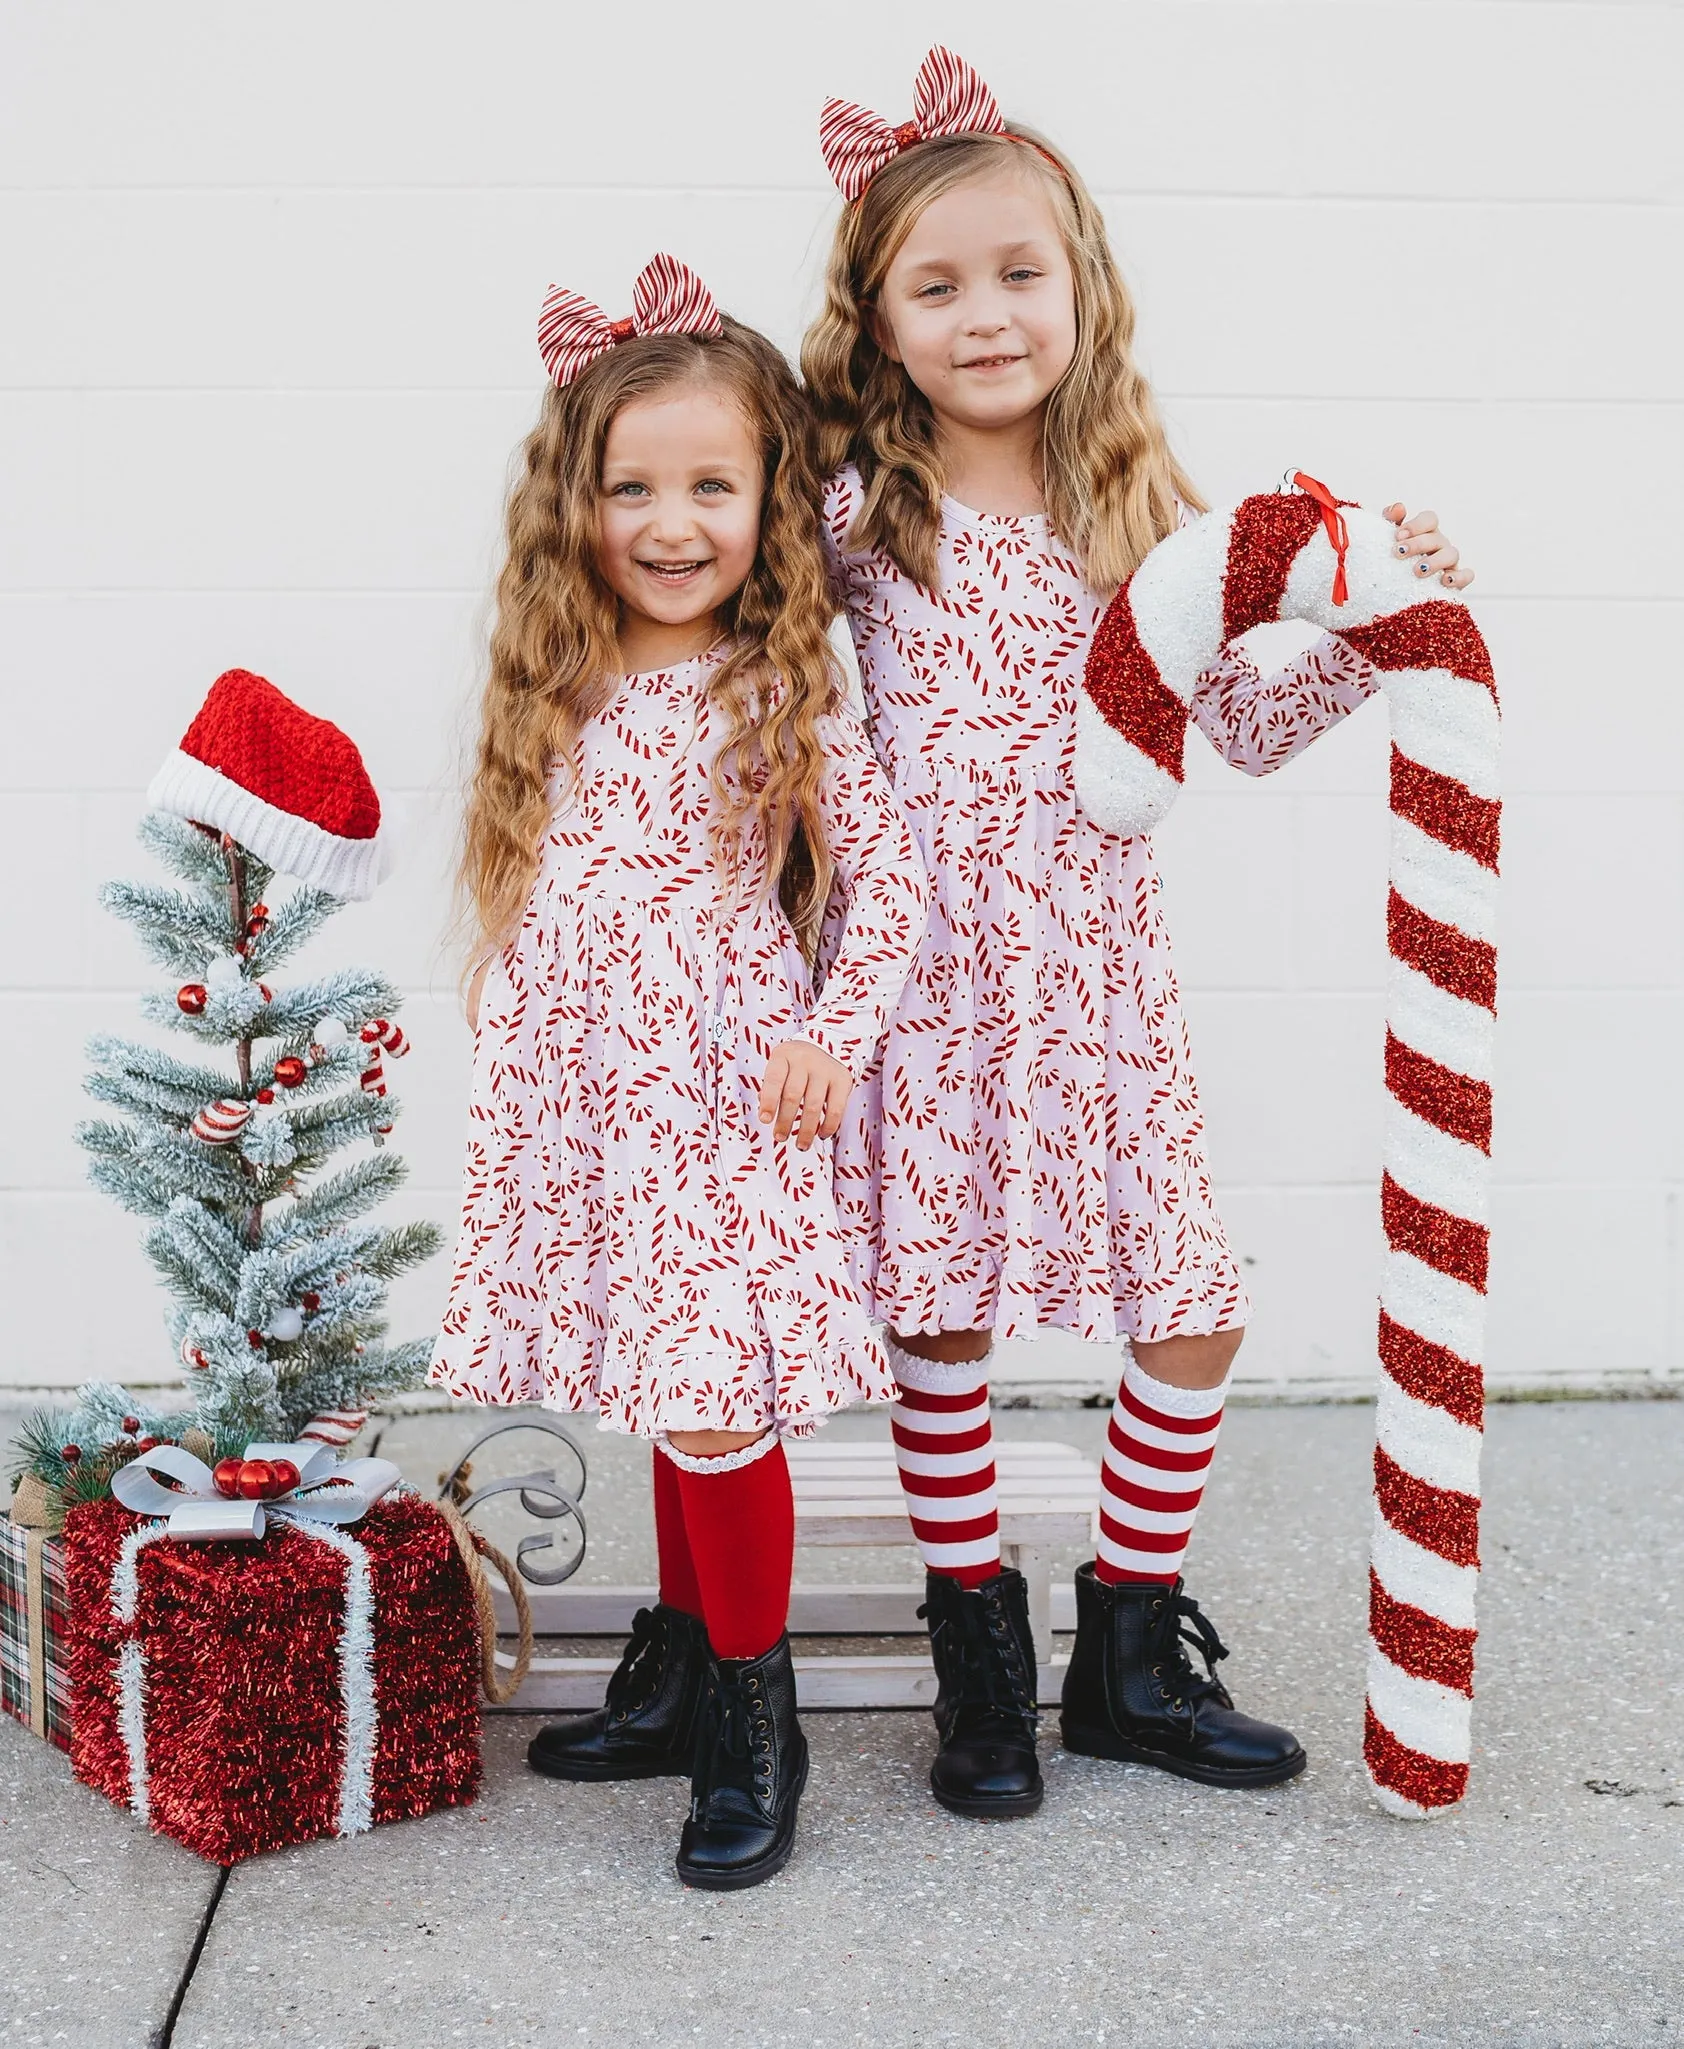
[289, 786]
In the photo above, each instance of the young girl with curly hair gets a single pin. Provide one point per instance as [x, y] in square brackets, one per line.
[1028, 1152]
[670, 796]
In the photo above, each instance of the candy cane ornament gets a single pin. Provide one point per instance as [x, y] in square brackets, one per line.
[1301, 554]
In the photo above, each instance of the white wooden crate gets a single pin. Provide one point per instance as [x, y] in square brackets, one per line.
[849, 1494]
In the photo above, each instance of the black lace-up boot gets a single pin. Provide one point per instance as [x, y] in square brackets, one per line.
[1131, 1691]
[751, 1764]
[985, 1698]
[646, 1728]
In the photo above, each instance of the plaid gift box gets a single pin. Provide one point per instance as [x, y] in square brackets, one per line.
[34, 1628]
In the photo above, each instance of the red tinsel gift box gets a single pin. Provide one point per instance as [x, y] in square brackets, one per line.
[241, 1696]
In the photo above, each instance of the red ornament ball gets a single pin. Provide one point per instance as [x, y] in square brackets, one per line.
[264, 990]
[130, 1425]
[286, 1475]
[191, 998]
[290, 1071]
[71, 1454]
[225, 1476]
[151, 1443]
[254, 1338]
[257, 1479]
[310, 1301]
[266, 1095]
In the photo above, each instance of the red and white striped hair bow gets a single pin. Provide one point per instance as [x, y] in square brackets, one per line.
[668, 298]
[948, 98]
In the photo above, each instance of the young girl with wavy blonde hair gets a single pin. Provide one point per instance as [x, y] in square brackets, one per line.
[669, 800]
[1028, 1151]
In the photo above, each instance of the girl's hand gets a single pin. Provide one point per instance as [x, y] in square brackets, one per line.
[805, 1090]
[1418, 535]
[476, 985]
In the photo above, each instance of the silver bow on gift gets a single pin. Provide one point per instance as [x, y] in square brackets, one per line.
[327, 1491]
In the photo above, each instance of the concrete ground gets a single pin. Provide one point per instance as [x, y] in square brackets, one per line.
[1134, 1909]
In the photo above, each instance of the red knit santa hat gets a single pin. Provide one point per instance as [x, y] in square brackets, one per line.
[289, 786]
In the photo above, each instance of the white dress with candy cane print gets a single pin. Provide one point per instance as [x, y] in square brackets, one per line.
[633, 1238]
[1028, 1150]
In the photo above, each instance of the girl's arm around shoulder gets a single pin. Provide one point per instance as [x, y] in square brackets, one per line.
[1258, 722]
[882, 897]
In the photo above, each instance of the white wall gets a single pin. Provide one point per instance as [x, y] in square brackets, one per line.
[271, 280]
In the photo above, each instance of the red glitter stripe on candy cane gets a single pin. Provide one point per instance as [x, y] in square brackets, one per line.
[1418, 1643]
[1132, 698]
[1432, 1373]
[1447, 1243]
[1437, 1518]
[1428, 1781]
[1446, 810]
[1448, 1101]
[1449, 959]
[1267, 537]
[1435, 635]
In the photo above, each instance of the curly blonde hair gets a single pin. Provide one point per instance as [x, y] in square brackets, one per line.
[1110, 480]
[555, 659]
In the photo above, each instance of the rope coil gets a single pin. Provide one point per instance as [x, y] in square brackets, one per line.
[477, 1551]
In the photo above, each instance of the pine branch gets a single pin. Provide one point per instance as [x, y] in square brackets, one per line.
[38, 1446]
[291, 922]
[147, 1169]
[353, 996]
[199, 1255]
[194, 855]
[146, 1078]
[405, 1247]
[336, 1201]
[182, 932]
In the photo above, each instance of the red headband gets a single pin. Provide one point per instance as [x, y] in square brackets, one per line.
[948, 98]
[668, 298]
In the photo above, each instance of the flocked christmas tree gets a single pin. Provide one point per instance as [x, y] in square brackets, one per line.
[277, 1277]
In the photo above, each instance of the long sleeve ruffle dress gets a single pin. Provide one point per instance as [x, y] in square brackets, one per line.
[634, 1239]
[1028, 1150]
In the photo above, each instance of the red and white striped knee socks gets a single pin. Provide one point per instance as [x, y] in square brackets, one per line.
[1156, 1457]
[944, 1447]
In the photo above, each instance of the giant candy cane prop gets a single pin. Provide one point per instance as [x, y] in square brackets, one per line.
[1298, 555]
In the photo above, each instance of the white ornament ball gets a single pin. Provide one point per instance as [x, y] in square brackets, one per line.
[331, 1032]
[224, 973]
[286, 1324]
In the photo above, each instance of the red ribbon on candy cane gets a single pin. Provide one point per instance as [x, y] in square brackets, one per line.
[1337, 531]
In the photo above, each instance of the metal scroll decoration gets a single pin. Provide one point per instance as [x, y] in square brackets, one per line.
[541, 1495]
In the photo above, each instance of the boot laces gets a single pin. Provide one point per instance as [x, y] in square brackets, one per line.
[994, 1696]
[637, 1677]
[1174, 1637]
[739, 1755]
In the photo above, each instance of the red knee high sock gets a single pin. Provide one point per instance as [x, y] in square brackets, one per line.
[679, 1587]
[1156, 1459]
[740, 1520]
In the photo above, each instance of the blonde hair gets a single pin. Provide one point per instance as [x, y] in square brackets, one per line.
[554, 651]
[1110, 481]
